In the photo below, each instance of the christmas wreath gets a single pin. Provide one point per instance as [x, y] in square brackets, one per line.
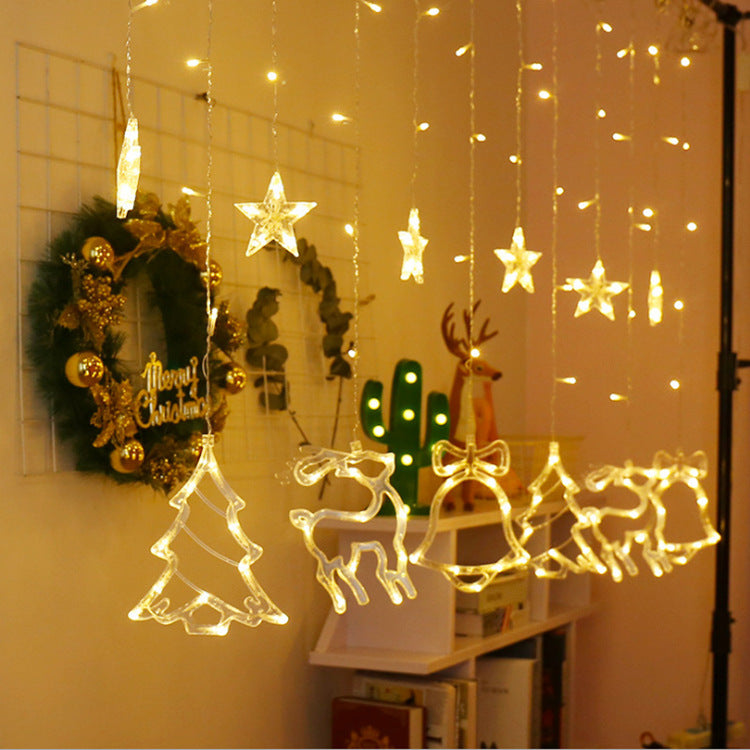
[133, 432]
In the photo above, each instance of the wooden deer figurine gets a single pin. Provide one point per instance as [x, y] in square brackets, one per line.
[471, 406]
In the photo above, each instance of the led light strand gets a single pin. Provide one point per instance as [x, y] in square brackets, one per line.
[471, 463]
[655, 299]
[129, 162]
[315, 465]
[596, 292]
[517, 260]
[412, 242]
[257, 607]
[274, 217]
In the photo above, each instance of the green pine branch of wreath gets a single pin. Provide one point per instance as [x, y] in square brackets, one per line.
[267, 357]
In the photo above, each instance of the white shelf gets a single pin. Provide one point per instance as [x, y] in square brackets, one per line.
[465, 648]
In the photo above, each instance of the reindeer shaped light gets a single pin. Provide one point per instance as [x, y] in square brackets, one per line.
[310, 469]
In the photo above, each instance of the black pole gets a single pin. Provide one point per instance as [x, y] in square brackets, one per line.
[727, 382]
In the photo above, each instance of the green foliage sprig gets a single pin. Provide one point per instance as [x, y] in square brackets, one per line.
[270, 357]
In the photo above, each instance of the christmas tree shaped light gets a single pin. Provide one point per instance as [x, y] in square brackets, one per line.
[256, 607]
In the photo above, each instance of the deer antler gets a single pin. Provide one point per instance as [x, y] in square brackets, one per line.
[483, 335]
[457, 347]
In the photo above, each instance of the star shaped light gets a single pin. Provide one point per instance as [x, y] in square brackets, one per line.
[414, 245]
[518, 262]
[274, 218]
[595, 291]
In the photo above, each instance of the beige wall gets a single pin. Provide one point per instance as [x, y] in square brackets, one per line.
[75, 556]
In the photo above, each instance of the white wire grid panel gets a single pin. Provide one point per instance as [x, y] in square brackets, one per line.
[66, 155]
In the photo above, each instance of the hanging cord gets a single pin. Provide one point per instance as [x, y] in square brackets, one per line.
[631, 235]
[519, 103]
[129, 59]
[472, 196]
[597, 146]
[357, 426]
[414, 97]
[275, 69]
[555, 213]
[209, 214]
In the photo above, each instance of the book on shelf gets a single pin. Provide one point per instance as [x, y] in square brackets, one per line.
[356, 722]
[495, 621]
[509, 696]
[554, 684]
[507, 589]
[437, 696]
[466, 711]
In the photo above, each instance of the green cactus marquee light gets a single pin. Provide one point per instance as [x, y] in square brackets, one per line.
[403, 434]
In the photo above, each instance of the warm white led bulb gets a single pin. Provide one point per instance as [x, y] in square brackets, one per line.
[674, 384]
[691, 226]
[559, 190]
[373, 403]
[570, 380]
[648, 212]
[601, 113]
[685, 61]
[272, 76]
[478, 137]
[620, 137]
[349, 229]
[653, 50]
[606, 27]
[423, 126]
[671, 140]
[339, 117]
[411, 377]
[461, 51]
[432, 12]
[655, 298]
[533, 66]
[475, 353]
[193, 62]
[678, 305]
[408, 414]
[544, 94]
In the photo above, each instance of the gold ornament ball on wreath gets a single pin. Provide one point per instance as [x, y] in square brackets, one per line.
[215, 275]
[84, 369]
[235, 379]
[99, 253]
[127, 458]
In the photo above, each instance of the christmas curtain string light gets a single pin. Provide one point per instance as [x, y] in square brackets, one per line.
[412, 241]
[274, 217]
[517, 260]
[596, 292]
[317, 463]
[471, 463]
[206, 613]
